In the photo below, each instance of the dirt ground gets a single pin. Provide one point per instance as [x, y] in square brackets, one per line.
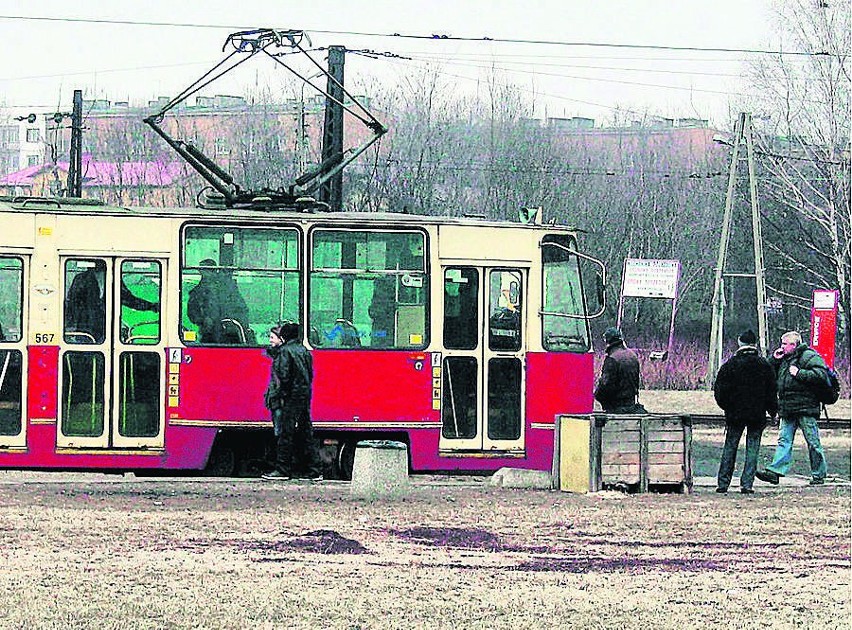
[85, 551]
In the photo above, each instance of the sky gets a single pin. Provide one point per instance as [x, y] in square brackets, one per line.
[45, 60]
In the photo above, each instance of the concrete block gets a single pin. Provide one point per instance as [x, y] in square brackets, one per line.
[380, 470]
[521, 478]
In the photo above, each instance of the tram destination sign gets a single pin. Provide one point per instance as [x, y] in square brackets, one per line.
[650, 278]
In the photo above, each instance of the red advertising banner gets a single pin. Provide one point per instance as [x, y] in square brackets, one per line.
[824, 324]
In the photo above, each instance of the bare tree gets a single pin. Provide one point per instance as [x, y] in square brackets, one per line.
[805, 104]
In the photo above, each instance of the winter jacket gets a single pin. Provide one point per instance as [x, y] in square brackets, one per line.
[618, 386]
[796, 395]
[290, 376]
[745, 388]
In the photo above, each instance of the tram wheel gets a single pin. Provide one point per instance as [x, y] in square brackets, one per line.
[346, 459]
[222, 461]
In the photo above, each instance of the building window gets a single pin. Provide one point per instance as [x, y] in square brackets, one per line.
[33, 160]
[9, 134]
[221, 146]
[33, 134]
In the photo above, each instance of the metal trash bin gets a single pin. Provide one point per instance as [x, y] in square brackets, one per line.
[380, 470]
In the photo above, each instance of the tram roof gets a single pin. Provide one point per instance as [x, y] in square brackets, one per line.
[63, 205]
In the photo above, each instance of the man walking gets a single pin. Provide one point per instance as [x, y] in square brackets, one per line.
[745, 390]
[288, 397]
[618, 387]
[799, 370]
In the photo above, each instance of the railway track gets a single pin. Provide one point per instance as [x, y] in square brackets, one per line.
[719, 420]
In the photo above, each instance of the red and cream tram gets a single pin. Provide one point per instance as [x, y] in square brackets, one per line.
[133, 338]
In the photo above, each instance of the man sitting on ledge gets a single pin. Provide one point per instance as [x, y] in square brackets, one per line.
[618, 386]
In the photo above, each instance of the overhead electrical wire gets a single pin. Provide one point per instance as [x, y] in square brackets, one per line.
[436, 37]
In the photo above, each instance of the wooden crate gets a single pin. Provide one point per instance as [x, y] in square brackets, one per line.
[640, 451]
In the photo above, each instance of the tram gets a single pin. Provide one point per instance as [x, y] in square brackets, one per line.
[132, 339]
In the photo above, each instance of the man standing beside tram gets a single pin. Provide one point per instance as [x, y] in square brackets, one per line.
[288, 398]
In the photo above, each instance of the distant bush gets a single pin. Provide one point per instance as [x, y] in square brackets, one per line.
[685, 366]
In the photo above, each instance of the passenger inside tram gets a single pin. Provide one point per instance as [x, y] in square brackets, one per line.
[85, 313]
[382, 312]
[217, 307]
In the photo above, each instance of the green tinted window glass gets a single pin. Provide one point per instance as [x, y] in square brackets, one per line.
[83, 394]
[11, 392]
[368, 289]
[140, 302]
[237, 282]
[564, 327]
[11, 298]
[85, 302]
[139, 394]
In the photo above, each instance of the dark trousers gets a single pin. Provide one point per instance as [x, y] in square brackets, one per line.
[733, 433]
[295, 447]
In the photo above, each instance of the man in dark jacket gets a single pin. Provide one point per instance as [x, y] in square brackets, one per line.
[745, 390]
[618, 386]
[288, 397]
[217, 307]
[798, 370]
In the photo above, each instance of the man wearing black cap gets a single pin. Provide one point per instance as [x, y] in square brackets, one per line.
[745, 390]
[288, 397]
[618, 387]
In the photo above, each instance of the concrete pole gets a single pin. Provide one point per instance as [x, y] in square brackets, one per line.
[759, 271]
[717, 307]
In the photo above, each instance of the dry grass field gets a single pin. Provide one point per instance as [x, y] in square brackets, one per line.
[86, 552]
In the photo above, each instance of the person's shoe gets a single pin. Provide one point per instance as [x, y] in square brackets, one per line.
[722, 490]
[816, 481]
[768, 476]
[747, 490]
[275, 475]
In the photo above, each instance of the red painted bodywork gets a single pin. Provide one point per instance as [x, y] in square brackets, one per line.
[365, 392]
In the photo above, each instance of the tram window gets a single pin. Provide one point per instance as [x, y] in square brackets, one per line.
[237, 282]
[140, 302]
[565, 328]
[504, 322]
[504, 398]
[368, 289]
[85, 304]
[139, 394]
[11, 370]
[83, 394]
[459, 399]
[461, 308]
[11, 299]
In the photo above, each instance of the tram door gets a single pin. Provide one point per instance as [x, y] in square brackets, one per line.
[111, 353]
[482, 389]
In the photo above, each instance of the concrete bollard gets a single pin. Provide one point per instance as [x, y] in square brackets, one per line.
[380, 470]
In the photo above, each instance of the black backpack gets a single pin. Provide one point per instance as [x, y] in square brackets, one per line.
[828, 392]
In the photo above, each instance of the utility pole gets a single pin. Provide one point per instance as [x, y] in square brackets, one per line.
[75, 167]
[743, 133]
[331, 192]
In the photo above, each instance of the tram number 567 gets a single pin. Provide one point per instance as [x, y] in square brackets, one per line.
[44, 337]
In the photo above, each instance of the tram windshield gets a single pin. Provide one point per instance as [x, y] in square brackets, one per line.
[564, 323]
[237, 282]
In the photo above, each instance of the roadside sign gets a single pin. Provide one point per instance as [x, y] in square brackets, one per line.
[650, 278]
[824, 324]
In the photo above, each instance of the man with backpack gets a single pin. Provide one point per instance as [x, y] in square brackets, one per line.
[802, 378]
